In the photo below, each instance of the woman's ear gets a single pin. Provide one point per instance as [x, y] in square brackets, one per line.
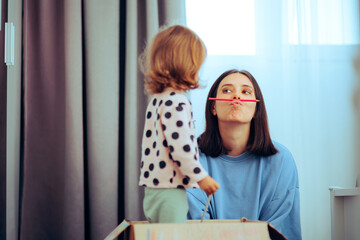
[213, 111]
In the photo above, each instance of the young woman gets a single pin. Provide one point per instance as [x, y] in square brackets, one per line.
[258, 176]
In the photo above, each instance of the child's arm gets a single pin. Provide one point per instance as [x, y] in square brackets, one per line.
[208, 185]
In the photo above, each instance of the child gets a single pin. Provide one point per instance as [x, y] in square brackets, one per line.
[170, 158]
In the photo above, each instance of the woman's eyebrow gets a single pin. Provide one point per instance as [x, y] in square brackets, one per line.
[247, 86]
[232, 85]
[227, 85]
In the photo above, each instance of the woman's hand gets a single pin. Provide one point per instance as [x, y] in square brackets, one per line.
[208, 185]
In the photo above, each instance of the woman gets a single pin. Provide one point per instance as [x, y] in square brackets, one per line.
[258, 177]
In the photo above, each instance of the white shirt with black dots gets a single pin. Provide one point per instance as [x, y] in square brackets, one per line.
[170, 156]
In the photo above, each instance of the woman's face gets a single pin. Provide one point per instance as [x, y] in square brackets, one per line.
[237, 86]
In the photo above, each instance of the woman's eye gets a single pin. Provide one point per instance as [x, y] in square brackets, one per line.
[226, 91]
[246, 92]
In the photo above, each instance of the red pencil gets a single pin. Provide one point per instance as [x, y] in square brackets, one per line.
[229, 99]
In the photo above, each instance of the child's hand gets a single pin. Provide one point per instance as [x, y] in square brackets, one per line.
[208, 185]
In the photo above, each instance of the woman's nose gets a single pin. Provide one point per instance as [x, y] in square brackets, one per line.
[236, 97]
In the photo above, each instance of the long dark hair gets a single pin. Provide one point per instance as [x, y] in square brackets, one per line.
[259, 142]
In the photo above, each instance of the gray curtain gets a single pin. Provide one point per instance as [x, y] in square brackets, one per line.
[83, 108]
[143, 21]
[70, 119]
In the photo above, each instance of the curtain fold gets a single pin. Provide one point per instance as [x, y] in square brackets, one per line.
[102, 113]
[53, 194]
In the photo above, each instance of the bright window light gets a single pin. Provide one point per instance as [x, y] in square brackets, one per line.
[227, 27]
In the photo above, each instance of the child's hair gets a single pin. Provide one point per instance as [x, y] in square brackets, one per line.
[173, 59]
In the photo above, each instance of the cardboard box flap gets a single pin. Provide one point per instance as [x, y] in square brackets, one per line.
[273, 232]
[202, 231]
[194, 229]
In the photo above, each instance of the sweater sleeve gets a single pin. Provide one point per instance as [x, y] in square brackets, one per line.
[179, 132]
[283, 211]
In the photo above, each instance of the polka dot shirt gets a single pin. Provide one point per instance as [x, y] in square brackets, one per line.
[170, 156]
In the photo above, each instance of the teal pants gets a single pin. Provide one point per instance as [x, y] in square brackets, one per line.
[165, 205]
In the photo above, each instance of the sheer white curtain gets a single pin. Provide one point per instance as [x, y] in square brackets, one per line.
[303, 61]
[357, 107]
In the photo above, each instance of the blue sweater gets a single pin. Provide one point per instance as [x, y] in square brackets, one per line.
[251, 186]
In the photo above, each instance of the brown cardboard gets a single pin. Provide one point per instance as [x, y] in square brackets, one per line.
[194, 229]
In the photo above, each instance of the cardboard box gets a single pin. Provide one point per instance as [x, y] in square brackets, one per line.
[194, 229]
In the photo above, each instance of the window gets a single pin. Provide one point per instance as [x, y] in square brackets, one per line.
[222, 25]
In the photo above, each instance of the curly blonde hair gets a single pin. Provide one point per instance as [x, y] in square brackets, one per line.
[173, 59]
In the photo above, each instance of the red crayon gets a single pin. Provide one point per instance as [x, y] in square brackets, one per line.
[230, 99]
